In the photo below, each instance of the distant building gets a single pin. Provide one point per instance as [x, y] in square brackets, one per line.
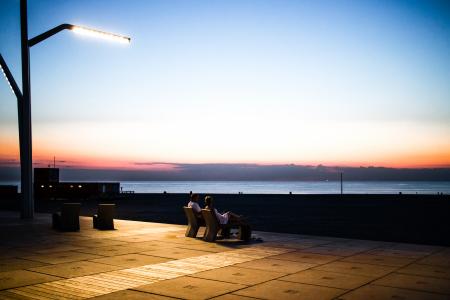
[8, 192]
[47, 185]
[46, 175]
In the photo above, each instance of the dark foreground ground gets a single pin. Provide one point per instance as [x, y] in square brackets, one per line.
[423, 219]
[144, 260]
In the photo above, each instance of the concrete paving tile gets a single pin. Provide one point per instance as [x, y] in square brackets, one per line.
[184, 240]
[110, 250]
[413, 282]
[367, 244]
[131, 295]
[427, 249]
[379, 260]
[40, 292]
[101, 234]
[438, 259]
[210, 247]
[356, 269]
[328, 279]
[62, 237]
[329, 238]
[61, 257]
[174, 236]
[75, 269]
[277, 289]
[396, 253]
[94, 243]
[137, 238]
[289, 236]
[190, 288]
[72, 240]
[446, 250]
[307, 257]
[52, 249]
[276, 265]
[151, 245]
[233, 297]
[35, 238]
[239, 275]
[374, 292]
[13, 252]
[89, 232]
[12, 279]
[8, 295]
[335, 250]
[298, 243]
[312, 240]
[165, 232]
[63, 288]
[426, 270]
[130, 260]
[175, 253]
[11, 264]
[39, 243]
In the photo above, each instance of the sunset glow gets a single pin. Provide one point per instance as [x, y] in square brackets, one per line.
[302, 82]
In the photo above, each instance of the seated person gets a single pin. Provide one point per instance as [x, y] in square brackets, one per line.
[194, 205]
[225, 217]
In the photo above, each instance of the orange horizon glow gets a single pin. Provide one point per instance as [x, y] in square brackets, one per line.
[43, 157]
[110, 146]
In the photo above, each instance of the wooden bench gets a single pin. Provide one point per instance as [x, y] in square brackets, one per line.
[104, 219]
[213, 227]
[194, 222]
[68, 219]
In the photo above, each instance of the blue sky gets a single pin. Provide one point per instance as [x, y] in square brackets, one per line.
[334, 82]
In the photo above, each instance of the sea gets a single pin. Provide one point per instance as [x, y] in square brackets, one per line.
[284, 187]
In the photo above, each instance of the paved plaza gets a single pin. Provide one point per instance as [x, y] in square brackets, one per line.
[142, 260]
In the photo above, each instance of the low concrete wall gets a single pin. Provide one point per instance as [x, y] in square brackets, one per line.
[9, 192]
[421, 219]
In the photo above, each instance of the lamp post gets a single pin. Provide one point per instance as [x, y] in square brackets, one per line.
[24, 103]
[26, 160]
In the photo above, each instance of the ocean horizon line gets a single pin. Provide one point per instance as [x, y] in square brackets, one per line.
[277, 187]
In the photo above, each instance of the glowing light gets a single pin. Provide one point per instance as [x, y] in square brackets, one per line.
[42, 186]
[4, 74]
[71, 186]
[101, 34]
[50, 186]
[79, 186]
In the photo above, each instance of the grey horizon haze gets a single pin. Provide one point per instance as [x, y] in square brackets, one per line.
[239, 172]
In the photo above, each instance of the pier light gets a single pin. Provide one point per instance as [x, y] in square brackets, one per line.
[80, 186]
[42, 186]
[24, 96]
[100, 34]
[10, 79]
[82, 30]
[7, 80]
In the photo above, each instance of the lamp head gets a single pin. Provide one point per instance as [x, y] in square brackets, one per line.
[6, 77]
[100, 34]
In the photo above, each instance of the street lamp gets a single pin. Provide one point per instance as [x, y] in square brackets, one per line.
[24, 97]
[79, 30]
